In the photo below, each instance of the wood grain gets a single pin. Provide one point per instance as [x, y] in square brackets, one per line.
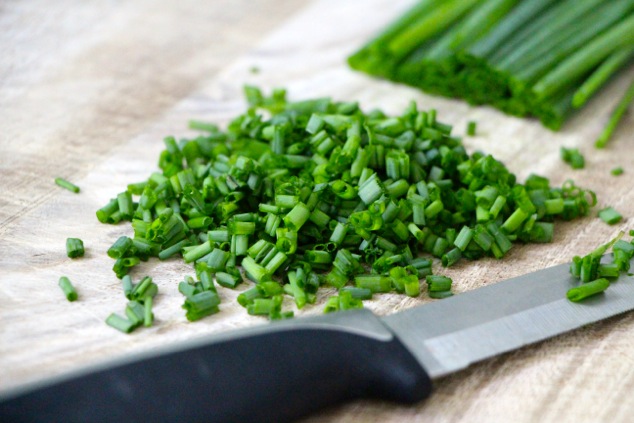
[89, 89]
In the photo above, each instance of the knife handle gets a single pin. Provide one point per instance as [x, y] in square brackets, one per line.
[276, 373]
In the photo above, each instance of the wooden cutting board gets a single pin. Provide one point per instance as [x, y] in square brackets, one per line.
[89, 90]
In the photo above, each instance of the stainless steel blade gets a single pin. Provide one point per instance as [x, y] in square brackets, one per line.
[451, 334]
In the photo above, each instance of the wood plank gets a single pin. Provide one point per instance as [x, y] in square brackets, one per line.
[101, 114]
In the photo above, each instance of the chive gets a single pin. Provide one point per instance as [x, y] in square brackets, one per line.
[67, 185]
[525, 58]
[359, 293]
[587, 289]
[610, 216]
[617, 171]
[120, 323]
[120, 247]
[264, 306]
[615, 61]
[439, 295]
[173, 249]
[104, 214]
[438, 283]
[573, 157]
[471, 128]
[74, 247]
[135, 313]
[616, 116]
[148, 316]
[364, 192]
[68, 289]
[201, 305]
[228, 280]
[124, 200]
[128, 286]
[374, 283]
[197, 252]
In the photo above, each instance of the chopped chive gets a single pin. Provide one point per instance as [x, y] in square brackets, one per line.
[471, 128]
[610, 216]
[438, 283]
[587, 289]
[120, 323]
[74, 247]
[617, 171]
[359, 293]
[148, 316]
[128, 286]
[135, 313]
[573, 157]
[68, 288]
[374, 283]
[363, 192]
[120, 247]
[201, 305]
[67, 185]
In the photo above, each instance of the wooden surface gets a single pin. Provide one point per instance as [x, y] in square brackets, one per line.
[88, 91]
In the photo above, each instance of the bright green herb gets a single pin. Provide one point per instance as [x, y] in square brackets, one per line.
[616, 116]
[68, 288]
[592, 272]
[573, 157]
[610, 216]
[617, 171]
[67, 185]
[471, 128]
[317, 192]
[120, 323]
[587, 289]
[541, 58]
[74, 247]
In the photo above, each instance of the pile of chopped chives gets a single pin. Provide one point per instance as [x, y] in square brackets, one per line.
[321, 193]
[543, 58]
[594, 274]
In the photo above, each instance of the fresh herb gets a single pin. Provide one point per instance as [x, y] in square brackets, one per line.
[617, 171]
[594, 274]
[68, 288]
[610, 216]
[587, 289]
[539, 58]
[471, 128]
[67, 185]
[615, 117]
[573, 157]
[317, 192]
[74, 247]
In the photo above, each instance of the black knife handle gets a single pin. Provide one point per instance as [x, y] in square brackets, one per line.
[274, 373]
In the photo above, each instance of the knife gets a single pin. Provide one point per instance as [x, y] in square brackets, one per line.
[286, 370]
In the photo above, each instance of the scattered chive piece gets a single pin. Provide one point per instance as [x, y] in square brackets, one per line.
[120, 323]
[68, 288]
[148, 316]
[67, 185]
[615, 118]
[573, 157]
[74, 247]
[617, 171]
[471, 128]
[587, 289]
[610, 216]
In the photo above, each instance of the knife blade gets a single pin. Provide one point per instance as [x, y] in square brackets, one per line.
[287, 370]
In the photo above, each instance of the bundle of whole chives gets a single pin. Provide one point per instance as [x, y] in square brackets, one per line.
[320, 192]
[542, 58]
